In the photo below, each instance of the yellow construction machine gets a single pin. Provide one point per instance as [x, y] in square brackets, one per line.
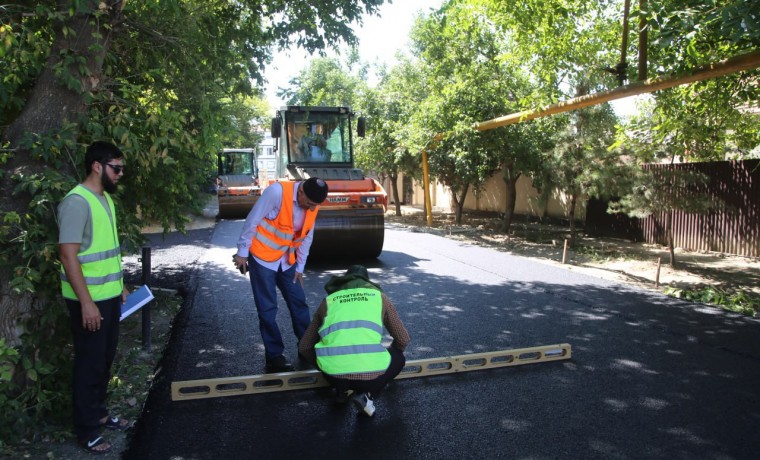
[318, 142]
[237, 185]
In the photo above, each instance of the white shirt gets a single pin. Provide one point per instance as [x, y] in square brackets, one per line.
[268, 205]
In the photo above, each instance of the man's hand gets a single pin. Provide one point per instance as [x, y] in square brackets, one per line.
[241, 263]
[299, 277]
[90, 316]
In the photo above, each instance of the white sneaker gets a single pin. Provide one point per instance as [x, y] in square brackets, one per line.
[363, 402]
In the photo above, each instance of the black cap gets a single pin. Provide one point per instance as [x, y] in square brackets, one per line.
[315, 189]
[356, 276]
[358, 270]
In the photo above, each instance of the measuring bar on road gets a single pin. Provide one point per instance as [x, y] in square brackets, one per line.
[312, 378]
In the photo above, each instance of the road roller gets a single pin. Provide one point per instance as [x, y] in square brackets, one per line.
[313, 141]
[237, 183]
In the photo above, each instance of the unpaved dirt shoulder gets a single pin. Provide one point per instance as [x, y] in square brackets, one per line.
[641, 265]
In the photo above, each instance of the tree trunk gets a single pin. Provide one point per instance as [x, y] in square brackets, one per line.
[394, 188]
[51, 105]
[459, 203]
[669, 233]
[544, 198]
[571, 216]
[14, 310]
[407, 195]
[510, 179]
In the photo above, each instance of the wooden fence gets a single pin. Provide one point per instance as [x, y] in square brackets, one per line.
[731, 228]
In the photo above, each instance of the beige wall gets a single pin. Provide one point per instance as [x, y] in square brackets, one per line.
[492, 198]
[439, 195]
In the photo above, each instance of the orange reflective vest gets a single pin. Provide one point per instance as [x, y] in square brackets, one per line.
[275, 237]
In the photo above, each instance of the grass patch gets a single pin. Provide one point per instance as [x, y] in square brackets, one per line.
[135, 368]
[596, 254]
[737, 302]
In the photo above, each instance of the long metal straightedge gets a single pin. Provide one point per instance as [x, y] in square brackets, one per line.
[301, 380]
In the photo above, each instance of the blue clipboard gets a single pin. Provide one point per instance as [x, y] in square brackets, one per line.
[135, 300]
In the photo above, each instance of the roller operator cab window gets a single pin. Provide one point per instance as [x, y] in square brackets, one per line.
[237, 163]
[318, 138]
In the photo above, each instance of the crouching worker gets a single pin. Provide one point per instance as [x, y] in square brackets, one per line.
[345, 335]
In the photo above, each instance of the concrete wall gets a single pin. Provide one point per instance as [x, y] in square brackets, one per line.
[492, 198]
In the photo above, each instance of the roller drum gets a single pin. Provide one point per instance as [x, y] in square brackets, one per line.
[235, 207]
[348, 234]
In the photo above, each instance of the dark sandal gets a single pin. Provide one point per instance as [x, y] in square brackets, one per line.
[116, 423]
[93, 445]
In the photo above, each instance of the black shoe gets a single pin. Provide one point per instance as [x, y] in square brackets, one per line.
[304, 364]
[341, 397]
[279, 364]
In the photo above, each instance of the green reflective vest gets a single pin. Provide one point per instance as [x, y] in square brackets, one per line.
[352, 333]
[101, 262]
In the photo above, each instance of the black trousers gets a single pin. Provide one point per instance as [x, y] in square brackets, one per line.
[94, 352]
[376, 385]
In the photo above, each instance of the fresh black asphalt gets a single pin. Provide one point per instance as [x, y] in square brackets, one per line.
[650, 376]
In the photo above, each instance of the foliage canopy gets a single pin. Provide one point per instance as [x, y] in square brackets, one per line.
[170, 83]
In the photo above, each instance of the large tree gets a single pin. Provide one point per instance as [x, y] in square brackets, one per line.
[709, 120]
[328, 81]
[564, 43]
[559, 41]
[653, 190]
[661, 192]
[713, 119]
[470, 78]
[581, 164]
[558, 44]
[388, 147]
[163, 80]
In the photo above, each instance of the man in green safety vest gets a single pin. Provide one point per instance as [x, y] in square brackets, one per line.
[345, 335]
[92, 285]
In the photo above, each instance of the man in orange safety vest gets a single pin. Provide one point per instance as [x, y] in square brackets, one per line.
[273, 247]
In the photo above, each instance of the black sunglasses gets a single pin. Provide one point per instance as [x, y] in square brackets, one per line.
[117, 169]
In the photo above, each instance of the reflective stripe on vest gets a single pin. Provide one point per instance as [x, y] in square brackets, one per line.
[352, 333]
[101, 262]
[276, 237]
